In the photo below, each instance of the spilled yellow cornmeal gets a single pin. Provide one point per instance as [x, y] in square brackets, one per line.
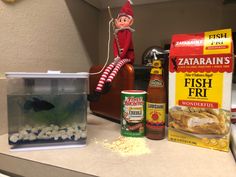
[128, 146]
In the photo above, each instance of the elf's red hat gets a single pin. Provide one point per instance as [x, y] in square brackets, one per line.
[126, 10]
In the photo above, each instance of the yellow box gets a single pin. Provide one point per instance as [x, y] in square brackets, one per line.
[200, 82]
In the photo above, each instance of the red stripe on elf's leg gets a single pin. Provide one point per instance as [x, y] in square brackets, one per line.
[116, 69]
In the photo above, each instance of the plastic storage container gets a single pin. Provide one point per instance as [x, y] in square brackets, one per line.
[47, 109]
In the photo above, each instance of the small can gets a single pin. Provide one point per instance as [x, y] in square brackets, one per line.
[133, 113]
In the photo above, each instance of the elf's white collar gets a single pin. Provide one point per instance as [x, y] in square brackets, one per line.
[124, 28]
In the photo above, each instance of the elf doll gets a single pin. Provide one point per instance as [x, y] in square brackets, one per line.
[122, 48]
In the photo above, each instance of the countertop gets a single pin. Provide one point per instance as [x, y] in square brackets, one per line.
[166, 158]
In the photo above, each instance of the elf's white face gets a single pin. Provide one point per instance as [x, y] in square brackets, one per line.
[123, 21]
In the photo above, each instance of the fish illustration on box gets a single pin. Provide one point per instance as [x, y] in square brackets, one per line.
[38, 105]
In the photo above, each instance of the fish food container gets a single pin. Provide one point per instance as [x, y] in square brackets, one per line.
[46, 109]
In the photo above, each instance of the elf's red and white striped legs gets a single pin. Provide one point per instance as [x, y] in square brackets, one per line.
[116, 69]
[104, 76]
[107, 71]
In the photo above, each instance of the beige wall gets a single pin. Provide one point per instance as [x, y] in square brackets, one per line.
[156, 23]
[3, 106]
[41, 35]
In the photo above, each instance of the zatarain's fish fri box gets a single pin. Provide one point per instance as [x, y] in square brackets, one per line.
[200, 79]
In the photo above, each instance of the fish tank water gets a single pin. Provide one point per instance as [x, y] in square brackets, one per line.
[46, 109]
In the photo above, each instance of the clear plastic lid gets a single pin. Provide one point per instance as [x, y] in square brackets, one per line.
[49, 74]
